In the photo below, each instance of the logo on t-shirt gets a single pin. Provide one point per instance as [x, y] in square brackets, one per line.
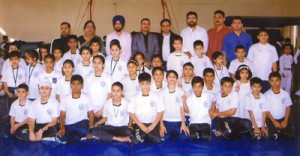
[81, 106]
[78, 61]
[120, 68]
[205, 64]
[152, 103]
[54, 80]
[122, 113]
[25, 112]
[49, 111]
[35, 74]
[103, 83]
[20, 76]
[182, 63]
[137, 88]
[261, 106]
[283, 100]
[205, 103]
[178, 99]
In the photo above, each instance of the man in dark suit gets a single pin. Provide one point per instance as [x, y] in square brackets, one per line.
[62, 41]
[165, 39]
[145, 42]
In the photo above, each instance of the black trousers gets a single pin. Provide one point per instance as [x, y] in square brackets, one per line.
[50, 132]
[107, 132]
[19, 133]
[200, 131]
[275, 133]
[139, 136]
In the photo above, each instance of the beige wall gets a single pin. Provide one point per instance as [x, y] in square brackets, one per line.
[38, 20]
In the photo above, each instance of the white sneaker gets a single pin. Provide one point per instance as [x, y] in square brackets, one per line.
[49, 139]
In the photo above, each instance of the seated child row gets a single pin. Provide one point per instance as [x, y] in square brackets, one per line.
[151, 116]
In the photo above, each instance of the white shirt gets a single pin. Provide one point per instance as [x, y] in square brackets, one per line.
[257, 106]
[263, 57]
[7, 64]
[155, 89]
[84, 70]
[245, 89]
[97, 88]
[116, 115]
[226, 103]
[63, 87]
[173, 104]
[219, 74]
[200, 64]
[125, 41]
[14, 77]
[76, 58]
[53, 78]
[18, 111]
[146, 108]
[76, 109]
[278, 103]
[215, 90]
[199, 107]
[166, 47]
[189, 37]
[44, 113]
[187, 87]
[131, 87]
[58, 65]
[1, 64]
[285, 61]
[116, 69]
[296, 56]
[234, 64]
[176, 62]
[32, 80]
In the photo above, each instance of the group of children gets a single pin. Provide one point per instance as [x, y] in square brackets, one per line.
[82, 94]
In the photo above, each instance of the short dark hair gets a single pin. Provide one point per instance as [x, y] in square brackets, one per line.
[138, 53]
[144, 77]
[261, 30]
[85, 48]
[65, 23]
[239, 69]
[198, 43]
[177, 38]
[32, 53]
[240, 47]
[14, 43]
[119, 84]
[219, 12]
[197, 79]
[51, 56]
[256, 80]
[95, 40]
[87, 22]
[188, 64]
[133, 62]
[237, 18]
[165, 20]
[145, 19]
[274, 74]
[227, 79]
[157, 69]
[191, 13]
[14, 54]
[74, 37]
[77, 78]
[216, 54]
[156, 56]
[99, 57]
[23, 86]
[115, 42]
[172, 72]
[208, 70]
[70, 62]
[288, 45]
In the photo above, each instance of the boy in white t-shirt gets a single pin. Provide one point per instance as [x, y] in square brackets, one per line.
[73, 53]
[278, 116]
[173, 121]
[178, 58]
[224, 113]
[200, 60]
[130, 82]
[43, 114]
[85, 67]
[115, 117]
[198, 105]
[185, 80]
[76, 114]
[18, 114]
[209, 83]
[158, 82]
[285, 63]
[220, 70]
[257, 105]
[240, 53]
[146, 110]
[264, 58]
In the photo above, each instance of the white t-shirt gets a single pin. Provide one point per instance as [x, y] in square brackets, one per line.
[278, 103]
[125, 41]
[199, 107]
[200, 64]
[76, 109]
[155, 89]
[187, 87]
[116, 115]
[116, 69]
[53, 78]
[219, 74]
[263, 57]
[131, 87]
[32, 80]
[173, 104]
[76, 58]
[18, 111]
[176, 62]
[7, 65]
[257, 106]
[97, 88]
[63, 87]
[146, 108]
[215, 90]
[226, 103]
[14, 77]
[236, 63]
[59, 65]
[285, 61]
[83, 70]
[245, 89]
[44, 113]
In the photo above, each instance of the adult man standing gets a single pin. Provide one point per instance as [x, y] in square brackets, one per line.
[123, 37]
[237, 37]
[165, 39]
[145, 42]
[192, 33]
[62, 41]
[216, 35]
